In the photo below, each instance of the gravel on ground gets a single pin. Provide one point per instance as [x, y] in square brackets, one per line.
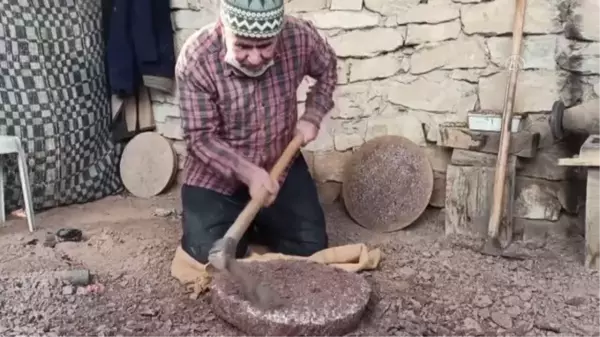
[427, 284]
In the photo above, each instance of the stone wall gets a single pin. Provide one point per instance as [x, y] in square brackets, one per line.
[405, 66]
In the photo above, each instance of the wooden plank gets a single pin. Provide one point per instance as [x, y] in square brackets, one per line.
[462, 157]
[580, 161]
[145, 112]
[592, 220]
[116, 104]
[591, 147]
[522, 144]
[438, 195]
[131, 113]
[469, 191]
[507, 220]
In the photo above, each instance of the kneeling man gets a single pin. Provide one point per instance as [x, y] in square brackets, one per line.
[237, 84]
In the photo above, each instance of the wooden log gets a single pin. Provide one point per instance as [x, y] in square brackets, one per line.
[522, 144]
[469, 191]
[148, 165]
[592, 221]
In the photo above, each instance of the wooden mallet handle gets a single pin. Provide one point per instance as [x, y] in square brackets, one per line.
[241, 224]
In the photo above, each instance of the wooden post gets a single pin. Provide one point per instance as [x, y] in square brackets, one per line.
[592, 221]
[589, 157]
[522, 144]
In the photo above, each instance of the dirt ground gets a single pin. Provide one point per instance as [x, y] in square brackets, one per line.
[427, 284]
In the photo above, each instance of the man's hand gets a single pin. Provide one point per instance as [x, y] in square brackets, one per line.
[259, 181]
[308, 130]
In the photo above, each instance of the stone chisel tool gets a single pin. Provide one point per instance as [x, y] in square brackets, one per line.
[222, 255]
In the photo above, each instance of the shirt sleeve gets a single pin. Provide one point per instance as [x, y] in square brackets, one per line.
[201, 122]
[321, 66]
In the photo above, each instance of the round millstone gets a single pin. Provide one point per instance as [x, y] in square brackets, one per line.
[388, 183]
[319, 300]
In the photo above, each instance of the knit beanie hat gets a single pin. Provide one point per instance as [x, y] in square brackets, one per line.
[253, 18]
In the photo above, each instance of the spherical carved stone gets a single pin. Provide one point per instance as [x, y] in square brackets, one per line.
[388, 183]
[319, 300]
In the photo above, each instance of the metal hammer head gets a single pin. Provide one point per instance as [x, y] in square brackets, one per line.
[222, 252]
[222, 257]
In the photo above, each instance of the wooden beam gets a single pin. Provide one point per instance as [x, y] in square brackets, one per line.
[580, 161]
[462, 157]
[522, 144]
[591, 147]
[592, 223]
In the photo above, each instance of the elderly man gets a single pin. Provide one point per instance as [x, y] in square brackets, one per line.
[237, 83]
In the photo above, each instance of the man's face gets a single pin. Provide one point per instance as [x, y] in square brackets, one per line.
[253, 55]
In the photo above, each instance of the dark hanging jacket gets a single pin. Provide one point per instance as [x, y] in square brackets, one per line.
[140, 46]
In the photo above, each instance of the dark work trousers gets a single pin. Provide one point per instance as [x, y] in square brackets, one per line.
[294, 224]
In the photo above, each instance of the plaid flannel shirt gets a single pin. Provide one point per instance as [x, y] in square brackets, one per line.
[230, 121]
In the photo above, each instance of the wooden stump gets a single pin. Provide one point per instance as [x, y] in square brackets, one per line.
[469, 191]
[148, 165]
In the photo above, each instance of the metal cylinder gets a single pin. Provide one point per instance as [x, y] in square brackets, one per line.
[581, 119]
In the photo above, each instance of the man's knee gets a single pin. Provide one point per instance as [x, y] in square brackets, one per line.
[199, 234]
[200, 250]
[197, 250]
[308, 248]
[206, 217]
[310, 237]
[198, 242]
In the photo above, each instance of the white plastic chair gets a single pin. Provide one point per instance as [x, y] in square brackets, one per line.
[12, 144]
